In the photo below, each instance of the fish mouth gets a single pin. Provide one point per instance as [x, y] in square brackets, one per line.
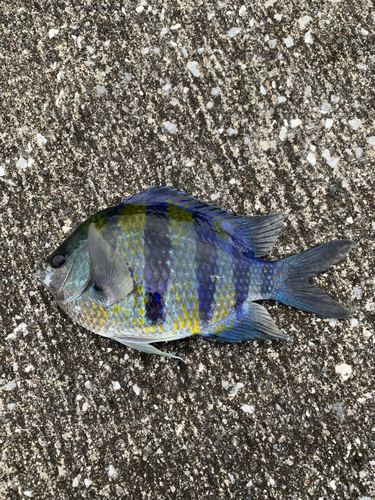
[44, 276]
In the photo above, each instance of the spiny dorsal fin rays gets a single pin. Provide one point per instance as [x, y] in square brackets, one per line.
[257, 233]
[112, 279]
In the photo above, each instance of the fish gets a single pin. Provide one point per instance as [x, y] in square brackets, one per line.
[163, 266]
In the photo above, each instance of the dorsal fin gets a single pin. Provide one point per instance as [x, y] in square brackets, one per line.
[257, 233]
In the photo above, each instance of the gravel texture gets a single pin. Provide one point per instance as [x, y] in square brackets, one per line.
[259, 107]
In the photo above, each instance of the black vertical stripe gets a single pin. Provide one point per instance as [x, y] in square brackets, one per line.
[157, 256]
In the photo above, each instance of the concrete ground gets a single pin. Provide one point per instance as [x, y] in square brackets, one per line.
[257, 107]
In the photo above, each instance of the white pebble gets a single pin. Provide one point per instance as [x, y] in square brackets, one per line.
[361, 66]
[236, 388]
[2, 172]
[231, 131]
[247, 409]
[116, 386]
[87, 482]
[357, 292]
[22, 163]
[136, 389]
[358, 152]
[308, 37]
[326, 154]
[128, 77]
[272, 482]
[307, 90]
[215, 196]
[281, 99]
[354, 322]
[349, 220]
[100, 90]
[166, 88]
[332, 485]
[40, 139]
[139, 9]
[112, 472]
[263, 91]
[53, 32]
[232, 181]
[193, 68]
[273, 72]
[333, 162]
[175, 26]
[295, 123]
[311, 158]
[283, 133]
[328, 124]
[210, 15]
[326, 108]
[233, 32]
[344, 370]
[289, 41]
[269, 3]
[171, 127]
[66, 229]
[12, 406]
[215, 91]
[272, 43]
[371, 140]
[9, 386]
[303, 21]
[145, 51]
[355, 124]
[89, 385]
[242, 11]
[75, 482]
[210, 105]
[364, 32]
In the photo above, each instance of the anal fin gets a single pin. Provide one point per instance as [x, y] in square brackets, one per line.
[255, 324]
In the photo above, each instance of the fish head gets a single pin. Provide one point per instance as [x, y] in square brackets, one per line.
[66, 272]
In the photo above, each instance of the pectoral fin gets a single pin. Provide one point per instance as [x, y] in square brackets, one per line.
[111, 275]
[150, 349]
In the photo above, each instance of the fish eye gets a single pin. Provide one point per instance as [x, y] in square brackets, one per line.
[57, 261]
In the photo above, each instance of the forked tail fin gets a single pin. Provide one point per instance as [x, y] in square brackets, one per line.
[293, 273]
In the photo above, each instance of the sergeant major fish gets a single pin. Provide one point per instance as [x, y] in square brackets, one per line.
[163, 266]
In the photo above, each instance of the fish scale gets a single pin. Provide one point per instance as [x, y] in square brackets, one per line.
[163, 266]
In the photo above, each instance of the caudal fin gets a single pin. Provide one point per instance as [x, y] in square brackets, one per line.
[295, 271]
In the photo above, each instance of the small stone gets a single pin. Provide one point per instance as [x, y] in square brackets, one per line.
[136, 389]
[236, 388]
[289, 41]
[53, 32]
[247, 409]
[263, 91]
[100, 90]
[87, 482]
[128, 77]
[311, 158]
[242, 11]
[272, 43]
[233, 32]
[358, 153]
[215, 91]
[328, 123]
[326, 108]
[308, 37]
[295, 123]
[355, 124]
[193, 68]
[354, 322]
[357, 292]
[303, 21]
[371, 140]
[21, 163]
[2, 172]
[171, 127]
[75, 482]
[231, 131]
[40, 139]
[344, 370]
[116, 386]
[112, 472]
